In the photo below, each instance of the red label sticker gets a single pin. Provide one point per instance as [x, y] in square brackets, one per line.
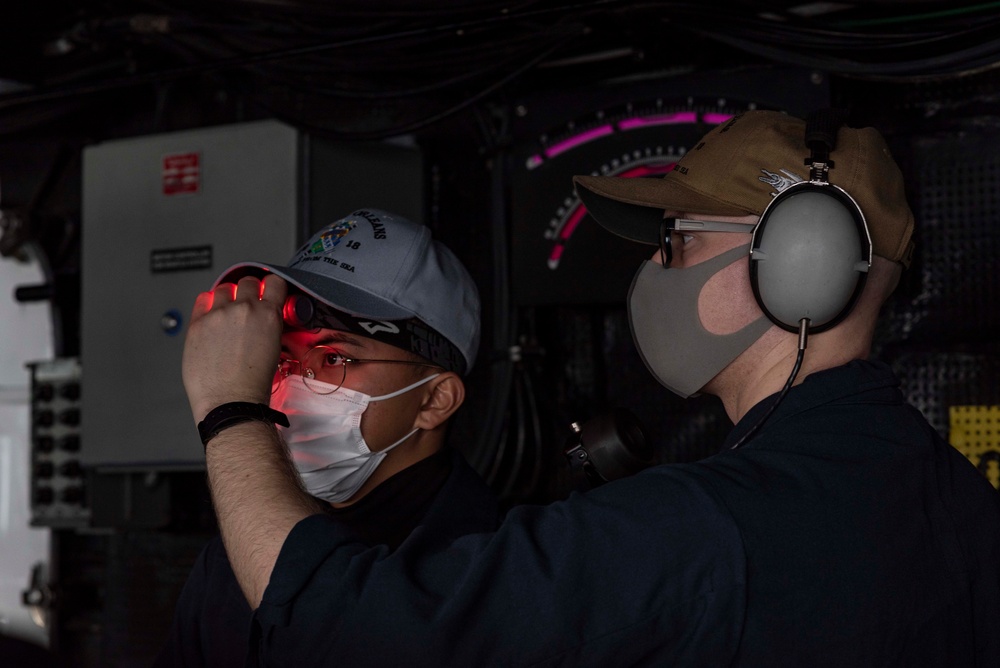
[181, 174]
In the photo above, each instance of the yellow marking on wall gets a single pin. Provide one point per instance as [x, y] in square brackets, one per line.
[975, 432]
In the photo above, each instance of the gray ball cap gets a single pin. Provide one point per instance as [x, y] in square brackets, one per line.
[378, 265]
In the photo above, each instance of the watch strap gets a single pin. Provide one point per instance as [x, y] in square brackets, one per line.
[235, 412]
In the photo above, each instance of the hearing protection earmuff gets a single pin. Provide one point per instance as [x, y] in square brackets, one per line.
[811, 251]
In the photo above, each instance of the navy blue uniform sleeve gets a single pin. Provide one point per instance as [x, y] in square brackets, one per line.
[645, 569]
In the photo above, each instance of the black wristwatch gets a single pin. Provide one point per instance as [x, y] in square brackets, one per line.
[235, 412]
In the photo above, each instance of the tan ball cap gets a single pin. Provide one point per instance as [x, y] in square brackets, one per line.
[739, 166]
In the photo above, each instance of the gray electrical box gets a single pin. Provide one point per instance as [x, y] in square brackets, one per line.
[163, 216]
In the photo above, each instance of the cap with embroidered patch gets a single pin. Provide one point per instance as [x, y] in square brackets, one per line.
[740, 165]
[385, 277]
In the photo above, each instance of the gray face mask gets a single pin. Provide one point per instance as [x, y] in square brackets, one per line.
[663, 313]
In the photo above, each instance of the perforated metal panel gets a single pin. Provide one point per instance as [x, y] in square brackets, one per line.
[941, 331]
[935, 381]
[952, 292]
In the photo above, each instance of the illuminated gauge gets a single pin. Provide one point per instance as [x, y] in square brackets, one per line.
[561, 227]
[560, 255]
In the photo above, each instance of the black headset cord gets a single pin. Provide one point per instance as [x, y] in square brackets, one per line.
[803, 336]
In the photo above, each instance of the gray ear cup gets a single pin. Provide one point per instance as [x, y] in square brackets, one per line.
[809, 256]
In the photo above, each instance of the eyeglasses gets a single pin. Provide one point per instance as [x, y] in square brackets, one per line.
[326, 365]
[670, 225]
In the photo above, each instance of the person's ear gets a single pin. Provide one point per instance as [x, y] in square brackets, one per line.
[443, 397]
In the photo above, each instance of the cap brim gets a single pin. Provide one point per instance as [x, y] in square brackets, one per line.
[349, 298]
[633, 207]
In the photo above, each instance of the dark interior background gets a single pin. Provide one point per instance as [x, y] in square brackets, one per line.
[484, 88]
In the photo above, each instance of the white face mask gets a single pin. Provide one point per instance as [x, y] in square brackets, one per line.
[325, 437]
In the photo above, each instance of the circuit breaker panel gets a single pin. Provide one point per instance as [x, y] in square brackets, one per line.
[57, 481]
[163, 216]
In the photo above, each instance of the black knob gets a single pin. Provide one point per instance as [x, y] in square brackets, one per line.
[44, 418]
[70, 391]
[44, 495]
[44, 470]
[45, 443]
[70, 443]
[70, 417]
[71, 495]
[71, 469]
[44, 392]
